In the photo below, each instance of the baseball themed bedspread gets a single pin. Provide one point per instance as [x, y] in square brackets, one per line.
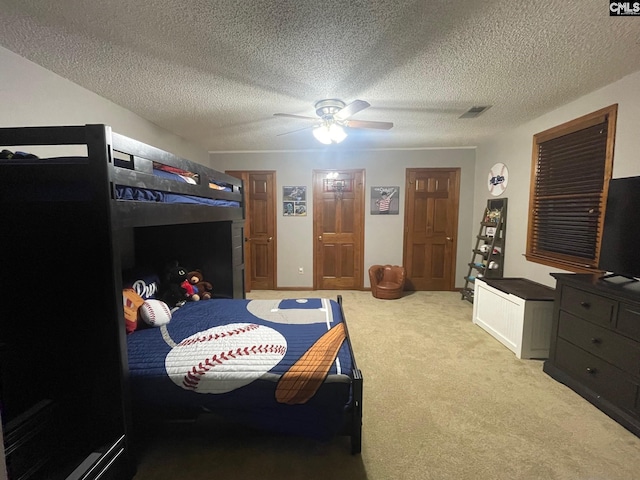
[282, 365]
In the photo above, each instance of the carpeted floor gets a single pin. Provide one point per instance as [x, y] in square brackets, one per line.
[442, 400]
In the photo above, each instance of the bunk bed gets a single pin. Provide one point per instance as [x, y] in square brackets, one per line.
[72, 226]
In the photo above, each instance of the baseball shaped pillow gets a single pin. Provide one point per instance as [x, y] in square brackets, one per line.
[155, 313]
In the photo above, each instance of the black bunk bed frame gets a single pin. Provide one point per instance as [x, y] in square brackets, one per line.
[67, 240]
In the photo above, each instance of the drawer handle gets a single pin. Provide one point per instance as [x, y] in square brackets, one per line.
[591, 371]
[585, 304]
[595, 340]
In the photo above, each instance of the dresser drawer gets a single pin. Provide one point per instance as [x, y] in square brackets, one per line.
[628, 321]
[587, 305]
[610, 346]
[599, 376]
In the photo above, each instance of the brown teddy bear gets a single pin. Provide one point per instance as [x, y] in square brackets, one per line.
[202, 288]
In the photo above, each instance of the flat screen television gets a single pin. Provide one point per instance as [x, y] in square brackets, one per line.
[620, 250]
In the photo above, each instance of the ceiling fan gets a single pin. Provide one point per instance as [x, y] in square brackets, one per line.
[332, 115]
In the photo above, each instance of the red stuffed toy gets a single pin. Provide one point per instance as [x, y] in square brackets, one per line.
[191, 292]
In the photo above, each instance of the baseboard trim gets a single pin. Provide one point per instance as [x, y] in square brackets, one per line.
[305, 289]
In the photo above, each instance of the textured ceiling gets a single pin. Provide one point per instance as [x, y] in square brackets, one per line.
[215, 71]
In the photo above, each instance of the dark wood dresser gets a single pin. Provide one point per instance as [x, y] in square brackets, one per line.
[595, 343]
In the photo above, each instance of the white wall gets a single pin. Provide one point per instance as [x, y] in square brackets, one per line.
[383, 234]
[514, 149]
[33, 96]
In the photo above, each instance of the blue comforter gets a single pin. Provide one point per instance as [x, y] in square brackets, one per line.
[280, 365]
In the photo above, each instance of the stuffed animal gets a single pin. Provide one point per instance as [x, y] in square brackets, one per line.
[191, 292]
[202, 288]
[172, 285]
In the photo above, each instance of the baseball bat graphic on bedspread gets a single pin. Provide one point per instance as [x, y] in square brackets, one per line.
[305, 376]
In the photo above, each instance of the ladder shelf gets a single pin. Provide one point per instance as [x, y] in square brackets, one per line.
[487, 257]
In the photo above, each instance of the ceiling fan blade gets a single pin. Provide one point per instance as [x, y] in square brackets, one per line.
[294, 131]
[368, 124]
[351, 109]
[289, 115]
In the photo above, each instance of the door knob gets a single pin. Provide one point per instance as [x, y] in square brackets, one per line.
[450, 238]
[269, 239]
[320, 237]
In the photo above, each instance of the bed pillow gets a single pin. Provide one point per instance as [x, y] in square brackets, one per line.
[132, 303]
[145, 283]
[155, 313]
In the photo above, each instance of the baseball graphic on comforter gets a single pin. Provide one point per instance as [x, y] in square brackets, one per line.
[224, 358]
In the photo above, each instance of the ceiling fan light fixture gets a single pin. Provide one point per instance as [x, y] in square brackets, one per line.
[337, 133]
[322, 134]
[329, 133]
[333, 115]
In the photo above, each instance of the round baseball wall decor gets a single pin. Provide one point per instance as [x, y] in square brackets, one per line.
[498, 179]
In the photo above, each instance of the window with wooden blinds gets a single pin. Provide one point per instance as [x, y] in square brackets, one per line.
[571, 168]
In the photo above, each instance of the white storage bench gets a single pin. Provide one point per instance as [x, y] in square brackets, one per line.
[517, 312]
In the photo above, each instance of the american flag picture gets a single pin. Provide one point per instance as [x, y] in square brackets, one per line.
[385, 200]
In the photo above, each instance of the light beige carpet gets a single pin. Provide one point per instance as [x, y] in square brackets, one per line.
[442, 400]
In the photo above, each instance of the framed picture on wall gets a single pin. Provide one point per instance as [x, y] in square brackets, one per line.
[385, 201]
[294, 201]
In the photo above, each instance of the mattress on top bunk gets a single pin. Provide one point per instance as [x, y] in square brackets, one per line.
[140, 194]
[76, 189]
[280, 365]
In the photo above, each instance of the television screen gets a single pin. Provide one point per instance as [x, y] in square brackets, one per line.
[620, 250]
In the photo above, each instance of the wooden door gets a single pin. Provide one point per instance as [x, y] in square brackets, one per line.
[431, 228]
[260, 228]
[338, 227]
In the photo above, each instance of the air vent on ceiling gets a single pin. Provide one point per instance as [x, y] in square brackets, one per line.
[473, 112]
